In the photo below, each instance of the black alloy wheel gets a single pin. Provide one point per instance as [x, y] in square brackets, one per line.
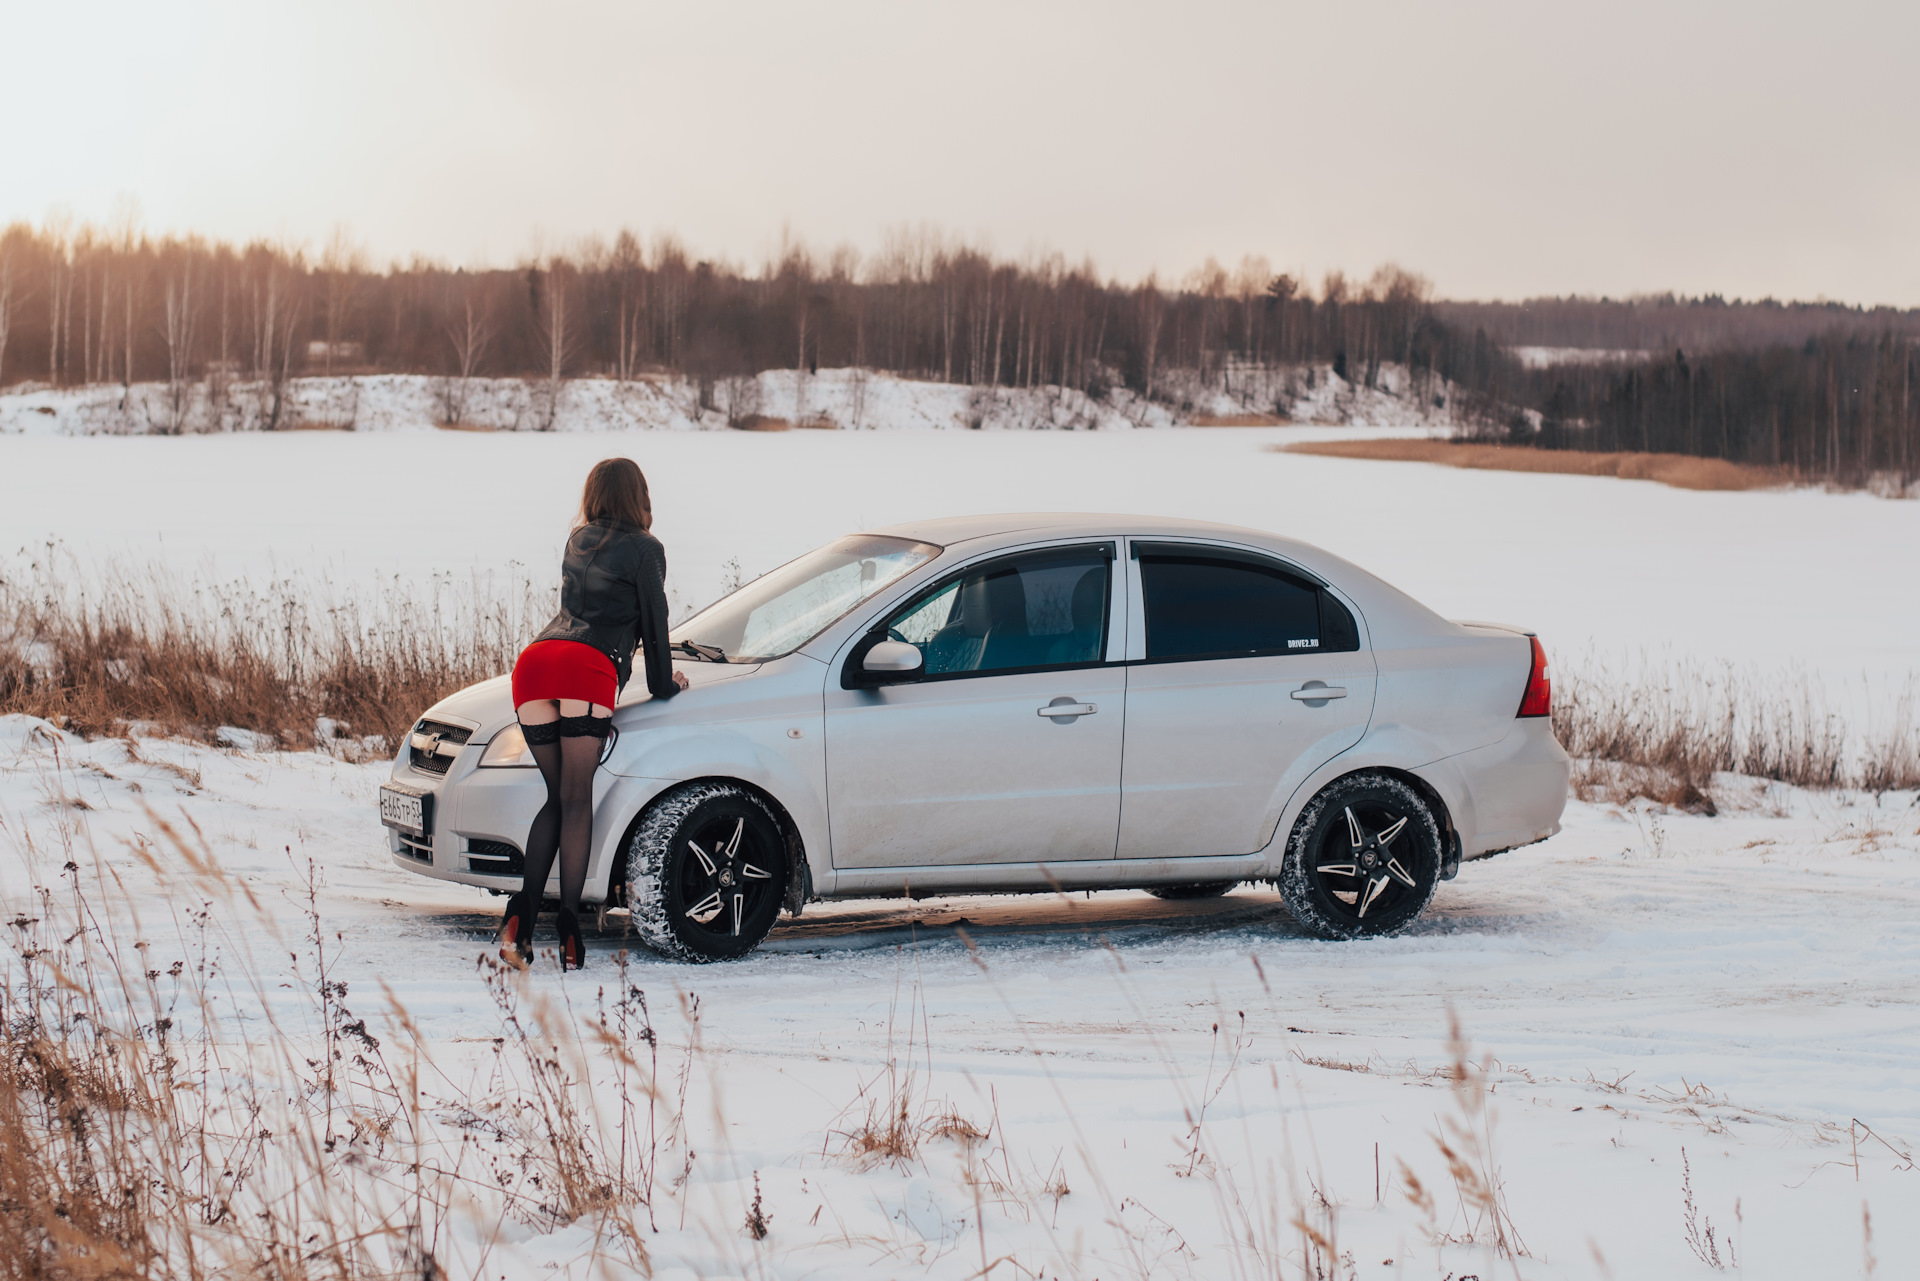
[1363, 859]
[706, 873]
[1199, 889]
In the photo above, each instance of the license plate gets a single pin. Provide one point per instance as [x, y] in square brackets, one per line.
[407, 808]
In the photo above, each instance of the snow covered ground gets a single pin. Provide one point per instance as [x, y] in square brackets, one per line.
[1742, 987]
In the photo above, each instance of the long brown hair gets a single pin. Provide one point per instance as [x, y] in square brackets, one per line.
[616, 490]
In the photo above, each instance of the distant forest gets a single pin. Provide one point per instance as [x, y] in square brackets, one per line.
[1823, 390]
[90, 307]
[1843, 407]
[1664, 323]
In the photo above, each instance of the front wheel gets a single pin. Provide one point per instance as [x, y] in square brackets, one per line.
[1363, 859]
[706, 873]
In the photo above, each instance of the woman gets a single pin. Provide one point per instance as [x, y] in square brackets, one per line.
[612, 598]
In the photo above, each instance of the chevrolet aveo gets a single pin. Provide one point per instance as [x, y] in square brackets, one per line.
[1000, 704]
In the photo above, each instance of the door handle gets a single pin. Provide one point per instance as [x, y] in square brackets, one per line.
[1066, 708]
[1315, 692]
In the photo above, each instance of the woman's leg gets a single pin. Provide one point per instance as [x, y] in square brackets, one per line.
[543, 837]
[579, 761]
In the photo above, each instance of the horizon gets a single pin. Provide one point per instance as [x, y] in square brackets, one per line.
[1507, 154]
[64, 228]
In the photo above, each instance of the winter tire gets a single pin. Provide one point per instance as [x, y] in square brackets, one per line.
[706, 873]
[1362, 860]
[1200, 889]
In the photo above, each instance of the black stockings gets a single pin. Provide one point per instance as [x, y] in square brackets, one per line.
[565, 823]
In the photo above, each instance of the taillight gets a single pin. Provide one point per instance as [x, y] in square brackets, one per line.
[1538, 700]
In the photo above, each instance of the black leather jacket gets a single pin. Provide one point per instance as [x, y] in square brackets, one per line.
[613, 595]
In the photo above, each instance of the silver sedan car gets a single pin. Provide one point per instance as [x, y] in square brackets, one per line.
[1012, 703]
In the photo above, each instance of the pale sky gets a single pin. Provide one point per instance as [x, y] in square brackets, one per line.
[1501, 148]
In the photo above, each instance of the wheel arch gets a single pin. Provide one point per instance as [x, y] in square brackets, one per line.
[1442, 812]
[1332, 773]
[799, 887]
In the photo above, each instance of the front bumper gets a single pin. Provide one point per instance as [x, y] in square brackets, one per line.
[480, 823]
[481, 817]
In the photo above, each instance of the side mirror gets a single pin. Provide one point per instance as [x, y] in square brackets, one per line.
[891, 658]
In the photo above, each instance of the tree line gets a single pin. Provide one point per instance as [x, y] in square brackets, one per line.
[87, 305]
[1663, 322]
[1843, 407]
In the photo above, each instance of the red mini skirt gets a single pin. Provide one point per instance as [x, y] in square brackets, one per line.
[564, 669]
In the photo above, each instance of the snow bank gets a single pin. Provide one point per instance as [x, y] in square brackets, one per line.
[842, 399]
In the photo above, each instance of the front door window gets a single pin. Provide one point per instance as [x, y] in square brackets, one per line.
[1044, 609]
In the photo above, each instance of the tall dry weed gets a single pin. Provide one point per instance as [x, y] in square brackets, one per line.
[1662, 730]
[164, 1118]
[298, 659]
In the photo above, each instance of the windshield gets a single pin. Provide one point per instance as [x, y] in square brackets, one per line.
[779, 612]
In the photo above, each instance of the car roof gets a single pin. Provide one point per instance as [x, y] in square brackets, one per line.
[1392, 616]
[948, 530]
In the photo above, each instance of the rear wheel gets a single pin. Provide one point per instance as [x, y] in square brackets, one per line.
[1363, 858]
[706, 873]
[1200, 889]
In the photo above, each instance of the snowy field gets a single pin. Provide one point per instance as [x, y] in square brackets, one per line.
[1165, 1088]
[1770, 578]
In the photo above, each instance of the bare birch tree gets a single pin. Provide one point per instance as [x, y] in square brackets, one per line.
[470, 334]
[553, 312]
[342, 265]
[1150, 315]
[59, 291]
[7, 302]
[279, 314]
[181, 311]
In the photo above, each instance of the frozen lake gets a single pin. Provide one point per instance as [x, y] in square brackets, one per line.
[1613, 567]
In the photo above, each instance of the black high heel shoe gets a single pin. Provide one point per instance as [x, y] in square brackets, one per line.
[573, 948]
[516, 930]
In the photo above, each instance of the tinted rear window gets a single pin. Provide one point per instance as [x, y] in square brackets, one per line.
[1199, 606]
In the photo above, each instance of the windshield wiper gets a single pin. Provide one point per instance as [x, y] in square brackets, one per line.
[705, 653]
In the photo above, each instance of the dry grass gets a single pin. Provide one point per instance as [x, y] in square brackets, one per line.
[1236, 420]
[893, 1115]
[161, 1121]
[296, 660]
[1664, 731]
[118, 651]
[761, 422]
[1678, 470]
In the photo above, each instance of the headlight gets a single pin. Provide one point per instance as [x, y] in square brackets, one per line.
[508, 748]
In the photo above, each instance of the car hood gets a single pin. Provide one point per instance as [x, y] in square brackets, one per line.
[487, 707]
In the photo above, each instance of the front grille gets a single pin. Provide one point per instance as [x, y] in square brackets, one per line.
[494, 858]
[433, 745]
[419, 848]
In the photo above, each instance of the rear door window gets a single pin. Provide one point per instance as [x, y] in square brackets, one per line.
[1213, 606]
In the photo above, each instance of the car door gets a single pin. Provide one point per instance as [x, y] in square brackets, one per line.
[1005, 747]
[1221, 710]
